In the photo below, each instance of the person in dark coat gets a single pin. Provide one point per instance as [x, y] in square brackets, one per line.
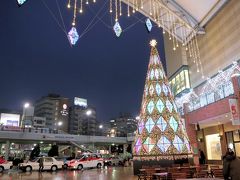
[231, 166]
[41, 164]
[202, 157]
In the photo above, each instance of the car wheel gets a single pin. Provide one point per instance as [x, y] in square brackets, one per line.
[28, 169]
[80, 167]
[1, 169]
[65, 166]
[99, 165]
[53, 168]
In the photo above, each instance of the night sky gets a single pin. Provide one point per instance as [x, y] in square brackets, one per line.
[36, 57]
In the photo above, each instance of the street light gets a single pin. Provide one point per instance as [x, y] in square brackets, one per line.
[88, 113]
[25, 106]
[60, 123]
[100, 126]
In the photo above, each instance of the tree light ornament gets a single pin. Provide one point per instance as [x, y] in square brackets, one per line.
[148, 24]
[117, 29]
[21, 2]
[73, 36]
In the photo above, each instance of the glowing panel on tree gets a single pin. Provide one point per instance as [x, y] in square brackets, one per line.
[150, 107]
[159, 132]
[148, 144]
[138, 145]
[140, 126]
[161, 123]
[149, 125]
[163, 144]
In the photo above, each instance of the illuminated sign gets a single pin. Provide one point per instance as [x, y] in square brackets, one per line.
[80, 102]
[64, 111]
[9, 119]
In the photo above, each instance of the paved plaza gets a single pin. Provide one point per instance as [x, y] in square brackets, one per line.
[107, 173]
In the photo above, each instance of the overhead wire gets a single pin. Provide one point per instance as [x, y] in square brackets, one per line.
[94, 17]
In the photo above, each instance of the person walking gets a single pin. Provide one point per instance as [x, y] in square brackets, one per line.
[231, 166]
[41, 164]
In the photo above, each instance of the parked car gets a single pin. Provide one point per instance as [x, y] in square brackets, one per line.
[108, 161]
[116, 161]
[5, 166]
[49, 163]
[88, 160]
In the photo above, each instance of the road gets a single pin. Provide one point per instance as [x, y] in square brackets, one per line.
[107, 173]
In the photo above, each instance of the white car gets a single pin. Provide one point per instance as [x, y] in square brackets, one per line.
[5, 166]
[49, 163]
[116, 161]
[86, 161]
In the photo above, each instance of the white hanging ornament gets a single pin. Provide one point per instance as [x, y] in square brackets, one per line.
[21, 2]
[117, 29]
[73, 36]
[148, 24]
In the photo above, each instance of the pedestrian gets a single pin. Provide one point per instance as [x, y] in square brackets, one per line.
[41, 164]
[202, 157]
[231, 165]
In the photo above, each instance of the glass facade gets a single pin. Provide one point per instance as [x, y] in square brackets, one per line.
[180, 81]
[204, 99]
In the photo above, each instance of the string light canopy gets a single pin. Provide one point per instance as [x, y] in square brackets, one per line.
[160, 134]
[179, 29]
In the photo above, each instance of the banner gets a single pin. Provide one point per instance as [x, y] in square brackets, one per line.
[233, 104]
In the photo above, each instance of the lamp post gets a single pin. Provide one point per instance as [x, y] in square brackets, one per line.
[25, 106]
[88, 113]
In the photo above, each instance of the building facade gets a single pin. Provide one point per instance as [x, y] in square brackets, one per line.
[80, 122]
[123, 125]
[55, 109]
[209, 102]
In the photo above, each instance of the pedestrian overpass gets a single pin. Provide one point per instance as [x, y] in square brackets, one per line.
[62, 137]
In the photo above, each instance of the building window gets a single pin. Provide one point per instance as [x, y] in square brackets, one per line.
[210, 97]
[180, 81]
[214, 151]
[203, 100]
[228, 89]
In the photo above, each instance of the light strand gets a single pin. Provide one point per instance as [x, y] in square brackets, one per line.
[128, 8]
[168, 16]
[133, 4]
[81, 7]
[116, 10]
[150, 7]
[69, 4]
[120, 7]
[110, 6]
[74, 13]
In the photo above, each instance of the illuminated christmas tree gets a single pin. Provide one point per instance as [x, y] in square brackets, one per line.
[161, 134]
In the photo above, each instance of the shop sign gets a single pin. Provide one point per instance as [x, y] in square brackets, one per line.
[234, 111]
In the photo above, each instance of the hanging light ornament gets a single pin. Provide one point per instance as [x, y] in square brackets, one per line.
[21, 2]
[148, 24]
[73, 36]
[117, 29]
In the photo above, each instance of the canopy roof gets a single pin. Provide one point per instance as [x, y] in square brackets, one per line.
[181, 18]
